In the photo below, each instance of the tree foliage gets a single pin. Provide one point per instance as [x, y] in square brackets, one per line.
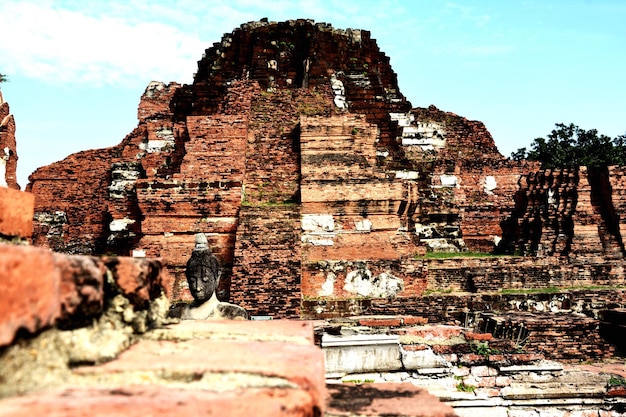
[3, 78]
[569, 146]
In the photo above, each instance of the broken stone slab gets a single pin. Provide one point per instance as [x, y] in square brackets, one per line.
[540, 366]
[361, 353]
[550, 391]
[290, 331]
[421, 359]
[433, 371]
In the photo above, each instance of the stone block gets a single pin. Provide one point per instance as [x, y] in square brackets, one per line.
[16, 213]
[483, 371]
[139, 279]
[81, 288]
[29, 286]
[265, 363]
[413, 360]
[361, 353]
[380, 322]
[157, 401]
[414, 320]
[288, 331]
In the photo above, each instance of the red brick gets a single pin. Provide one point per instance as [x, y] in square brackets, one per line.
[469, 336]
[29, 286]
[302, 365]
[157, 401]
[433, 331]
[414, 320]
[139, 279]
[16, 212]
[81, 288]
[380, 322]
[616, 392]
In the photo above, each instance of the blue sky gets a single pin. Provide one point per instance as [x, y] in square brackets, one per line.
[77, 68]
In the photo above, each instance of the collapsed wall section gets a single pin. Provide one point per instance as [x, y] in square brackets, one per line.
[572, 213]
[8, 148]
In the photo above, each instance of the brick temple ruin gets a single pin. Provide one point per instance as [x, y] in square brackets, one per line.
[314, 178]
[321, 191]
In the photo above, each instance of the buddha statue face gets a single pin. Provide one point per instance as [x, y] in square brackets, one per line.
[202, 280]
[203, 271]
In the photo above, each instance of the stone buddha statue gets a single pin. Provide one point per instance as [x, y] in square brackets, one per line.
[203, 274]
[202, 271]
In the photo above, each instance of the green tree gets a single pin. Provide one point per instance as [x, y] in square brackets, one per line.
[619, 150]
[3, 78]
[569, 146]
[519, 154]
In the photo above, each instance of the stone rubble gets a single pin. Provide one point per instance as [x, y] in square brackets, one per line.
[475, 373]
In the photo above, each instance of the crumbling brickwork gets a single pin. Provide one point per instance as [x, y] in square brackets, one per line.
[266, 272]
[8, 148]
[302, 124]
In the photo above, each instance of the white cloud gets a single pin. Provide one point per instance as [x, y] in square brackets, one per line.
[70, 46]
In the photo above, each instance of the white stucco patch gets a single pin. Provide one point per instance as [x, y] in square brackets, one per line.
[449, 180]
[427, 136]
[318, 223]
[361, 282]
[407, 175]
[403, 119]
[490, 184]
[364, 225]
[120, 224]
[123, 179]
[328, 287]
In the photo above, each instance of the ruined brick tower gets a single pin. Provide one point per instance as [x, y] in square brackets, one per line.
[296, 154]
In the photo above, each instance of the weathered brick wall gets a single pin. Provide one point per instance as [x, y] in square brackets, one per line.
[495, 274]
[71, 201]
[273, 162]
[204, 196]
[557, 336]
[569, 213]
[568, 319]
[467, 187]
[301, 113]
[454, 308]
[266, 271]
[302, 54]
[183, 170]
[617, 178]
[355, 241]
